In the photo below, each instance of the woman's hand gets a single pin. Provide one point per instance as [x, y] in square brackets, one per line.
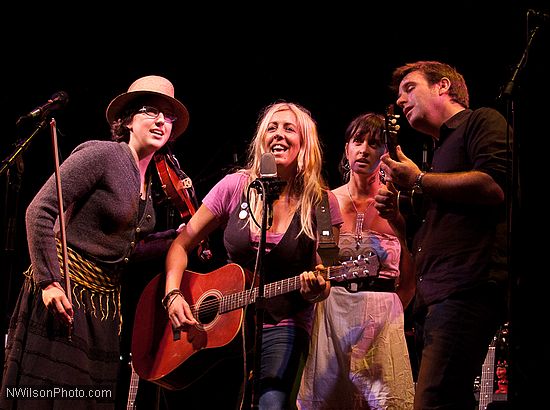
[179, 312]
[57, 302]
[313, 285]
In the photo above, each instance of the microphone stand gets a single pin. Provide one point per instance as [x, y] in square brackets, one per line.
[14, 177]
[508, 90]
[512, 192]
[260, 303]
[12, 194]
[270, 191]
[20, 147]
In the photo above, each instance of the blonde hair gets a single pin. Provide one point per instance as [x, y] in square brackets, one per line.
[308, 183]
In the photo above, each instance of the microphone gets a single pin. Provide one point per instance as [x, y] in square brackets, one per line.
[56, 102]
[268, 166]
[538, 14]
[268, 184]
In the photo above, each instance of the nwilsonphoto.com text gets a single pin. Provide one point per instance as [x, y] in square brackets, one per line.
[59, 393]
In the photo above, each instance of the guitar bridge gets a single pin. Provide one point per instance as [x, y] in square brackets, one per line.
[176, 334]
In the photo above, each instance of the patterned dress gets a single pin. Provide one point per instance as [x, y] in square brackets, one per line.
[358, 356]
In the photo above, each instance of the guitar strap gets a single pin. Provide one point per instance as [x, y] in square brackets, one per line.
[328, 249]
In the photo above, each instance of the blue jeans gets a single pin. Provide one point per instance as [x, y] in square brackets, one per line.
[284, 349]
[453, 337]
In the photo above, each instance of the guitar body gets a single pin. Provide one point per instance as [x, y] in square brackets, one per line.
[410, 202]
[171, 358]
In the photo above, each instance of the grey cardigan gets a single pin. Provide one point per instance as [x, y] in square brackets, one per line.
[101, 186]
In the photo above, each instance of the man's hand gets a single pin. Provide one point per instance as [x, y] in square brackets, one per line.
[401, 173]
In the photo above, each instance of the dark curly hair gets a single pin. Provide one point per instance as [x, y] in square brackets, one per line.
[119, 127]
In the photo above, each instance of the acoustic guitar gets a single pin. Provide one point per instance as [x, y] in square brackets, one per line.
[175, 358]
[409, 202]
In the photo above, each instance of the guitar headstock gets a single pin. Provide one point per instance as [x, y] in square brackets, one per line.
[391, 129]
[363, 266]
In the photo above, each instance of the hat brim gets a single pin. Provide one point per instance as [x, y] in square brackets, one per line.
[119, 103]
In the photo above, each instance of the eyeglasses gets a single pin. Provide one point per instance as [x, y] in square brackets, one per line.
[153, 112]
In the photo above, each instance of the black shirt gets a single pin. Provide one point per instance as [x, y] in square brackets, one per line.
[462, 246]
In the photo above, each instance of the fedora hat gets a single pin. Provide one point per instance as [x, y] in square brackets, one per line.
[154, 86]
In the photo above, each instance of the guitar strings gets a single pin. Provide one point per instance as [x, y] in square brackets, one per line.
[233, 300]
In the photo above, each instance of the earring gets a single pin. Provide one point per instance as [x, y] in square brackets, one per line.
[347, 170]
[382, 176]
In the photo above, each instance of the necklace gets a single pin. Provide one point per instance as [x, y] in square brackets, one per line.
[360, 218]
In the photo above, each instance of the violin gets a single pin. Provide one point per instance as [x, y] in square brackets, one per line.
[178, 188]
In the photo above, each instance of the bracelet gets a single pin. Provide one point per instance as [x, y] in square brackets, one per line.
[316, 298]
[174, 296]
[168, 296]
[417, 186]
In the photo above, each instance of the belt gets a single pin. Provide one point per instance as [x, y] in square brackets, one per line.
[368, 285]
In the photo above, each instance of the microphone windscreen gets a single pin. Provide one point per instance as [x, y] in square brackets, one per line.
[61, 98]
[268, 166]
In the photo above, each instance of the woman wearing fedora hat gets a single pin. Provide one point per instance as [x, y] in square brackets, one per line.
[60, 355]
[287, 131]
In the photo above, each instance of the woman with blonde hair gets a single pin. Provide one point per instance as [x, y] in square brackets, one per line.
[287, 131]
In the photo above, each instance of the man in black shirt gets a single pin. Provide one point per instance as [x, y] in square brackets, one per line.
[460, 247]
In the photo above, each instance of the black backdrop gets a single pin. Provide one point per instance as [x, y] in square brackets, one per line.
[337, 62]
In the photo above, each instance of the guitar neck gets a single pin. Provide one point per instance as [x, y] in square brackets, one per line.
[241, 299]
[393, 152]
[487, 379]
[390, 131]
[391, 147]
[132, 392]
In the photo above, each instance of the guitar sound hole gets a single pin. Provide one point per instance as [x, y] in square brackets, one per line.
[208, 309]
